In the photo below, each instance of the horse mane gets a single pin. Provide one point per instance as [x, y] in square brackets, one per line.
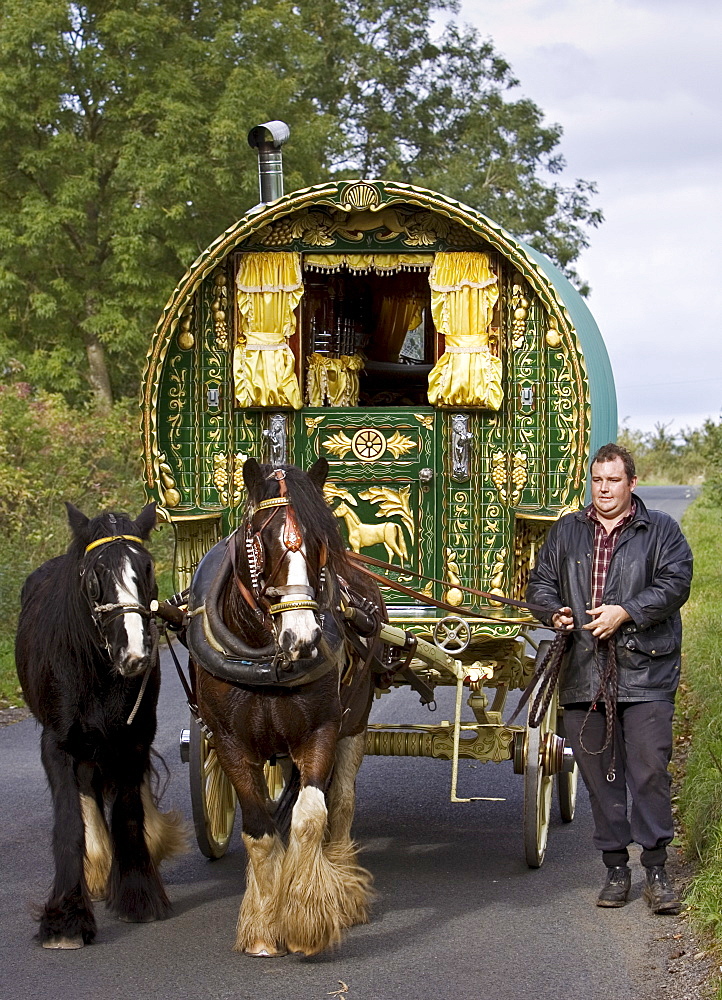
[62, 616]
[318, 522]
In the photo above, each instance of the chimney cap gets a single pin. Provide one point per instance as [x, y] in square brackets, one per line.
[268, 134]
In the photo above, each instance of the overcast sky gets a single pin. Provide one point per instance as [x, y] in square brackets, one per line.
[636, 85]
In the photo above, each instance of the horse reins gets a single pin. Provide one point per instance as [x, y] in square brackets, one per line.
[493, 598]
[545, 676]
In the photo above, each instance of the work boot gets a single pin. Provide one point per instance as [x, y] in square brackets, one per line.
[660, 892]
[616, 889]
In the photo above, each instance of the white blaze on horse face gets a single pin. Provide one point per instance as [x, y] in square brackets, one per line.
[300, 633]
[128, 593]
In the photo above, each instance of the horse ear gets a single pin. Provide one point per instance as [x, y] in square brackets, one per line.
[145, 522]
[318, 472]
[76, 519]
[253, 478]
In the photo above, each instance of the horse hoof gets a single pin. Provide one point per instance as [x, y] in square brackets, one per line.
[298, 950]
[265, 951]
[64, 943]
[137, 920]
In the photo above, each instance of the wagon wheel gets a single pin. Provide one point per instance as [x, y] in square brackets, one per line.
[566, 782]
[213, 798]
[537, 784]
[276, 776]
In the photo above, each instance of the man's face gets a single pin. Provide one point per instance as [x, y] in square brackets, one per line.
[611, 490]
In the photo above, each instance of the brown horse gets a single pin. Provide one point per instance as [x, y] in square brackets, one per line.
[280, 676]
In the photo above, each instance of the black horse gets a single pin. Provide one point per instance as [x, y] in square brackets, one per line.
[87, 659]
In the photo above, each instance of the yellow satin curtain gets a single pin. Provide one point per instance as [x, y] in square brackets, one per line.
[381, 263]
[270, 286]
[333, 380]
[464, 291]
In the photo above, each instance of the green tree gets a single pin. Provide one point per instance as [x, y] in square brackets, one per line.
[122, 134]
[440, 115]
[121, 123]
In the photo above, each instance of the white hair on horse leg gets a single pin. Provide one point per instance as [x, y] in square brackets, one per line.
[339, 849]
[98, 851]
[165, 833]
[321, 897]
[342, 792]
[257, 931]
[128, 593]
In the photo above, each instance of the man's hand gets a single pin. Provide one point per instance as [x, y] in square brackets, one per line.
[607, 619]
[563, 619]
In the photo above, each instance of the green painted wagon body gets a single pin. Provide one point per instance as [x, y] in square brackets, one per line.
[459, 491]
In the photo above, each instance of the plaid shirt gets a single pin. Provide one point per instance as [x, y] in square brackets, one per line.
[603, 548]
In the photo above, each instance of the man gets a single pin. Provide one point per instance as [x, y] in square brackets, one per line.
[615, 576]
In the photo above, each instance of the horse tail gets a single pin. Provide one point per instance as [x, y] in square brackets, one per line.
[283, 808]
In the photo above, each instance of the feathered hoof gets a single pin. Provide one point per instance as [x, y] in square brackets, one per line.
[64, 943]
[139, 902]
[67, 925]
[261, 950]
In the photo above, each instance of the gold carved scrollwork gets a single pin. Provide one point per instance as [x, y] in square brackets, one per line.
[219, 309]
[338, 444]
[169, 492]
[426, 420]
[553, 337]
[498, 473]
[322, 227]
[453, 595]
[398, 444]
[186, 340]
[528, 539]
[520, 311]
[228, 477]
[506, 467]
[312, 423]
[362, 535]
[519, 475]
[360, 195]
[497, 576]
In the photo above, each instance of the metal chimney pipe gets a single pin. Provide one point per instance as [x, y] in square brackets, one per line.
[267, 139]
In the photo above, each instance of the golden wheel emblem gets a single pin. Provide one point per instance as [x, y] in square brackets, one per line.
[368, 444]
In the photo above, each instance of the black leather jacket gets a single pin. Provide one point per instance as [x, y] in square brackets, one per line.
[649, 575]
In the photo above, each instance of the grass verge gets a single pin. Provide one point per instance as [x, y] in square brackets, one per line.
[700, 718]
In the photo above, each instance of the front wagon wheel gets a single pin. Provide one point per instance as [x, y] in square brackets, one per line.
[213, 798]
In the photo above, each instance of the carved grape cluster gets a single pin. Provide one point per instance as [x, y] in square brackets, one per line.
[278, 234]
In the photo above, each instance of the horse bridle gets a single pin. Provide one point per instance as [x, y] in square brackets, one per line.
[292, 539]
[104, 614]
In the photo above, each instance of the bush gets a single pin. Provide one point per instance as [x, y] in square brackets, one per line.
[49, 453]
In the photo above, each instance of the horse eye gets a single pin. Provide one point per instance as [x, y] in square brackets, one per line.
[93, 586]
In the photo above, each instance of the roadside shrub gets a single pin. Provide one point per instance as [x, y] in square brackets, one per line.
[50, 453]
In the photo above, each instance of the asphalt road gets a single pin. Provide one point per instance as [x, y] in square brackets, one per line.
[458, 913]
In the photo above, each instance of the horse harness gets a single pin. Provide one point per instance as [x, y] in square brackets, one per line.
[104, 614]
[292, 539]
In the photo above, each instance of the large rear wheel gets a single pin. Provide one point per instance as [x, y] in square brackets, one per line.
[213, 798]
[538, 782]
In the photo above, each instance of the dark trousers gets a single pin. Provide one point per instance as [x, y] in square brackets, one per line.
[643, 747]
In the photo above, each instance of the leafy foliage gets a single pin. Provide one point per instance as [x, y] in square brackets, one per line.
[122, 130]
[50, 453]
[694, 455]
